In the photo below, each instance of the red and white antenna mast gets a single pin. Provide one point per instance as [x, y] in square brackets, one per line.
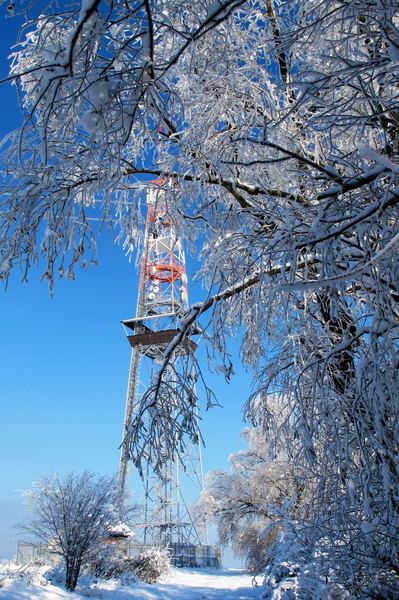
[162, 300]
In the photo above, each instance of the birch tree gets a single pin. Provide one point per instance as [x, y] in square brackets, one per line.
[280, 163]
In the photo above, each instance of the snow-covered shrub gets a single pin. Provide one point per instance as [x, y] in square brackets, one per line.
[287, 581]
[290, 575]
[114, 564]
[5, 569]
[148, 566]
[31, 571]
[152, 565]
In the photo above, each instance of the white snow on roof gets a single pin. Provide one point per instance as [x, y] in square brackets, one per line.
[122, 530]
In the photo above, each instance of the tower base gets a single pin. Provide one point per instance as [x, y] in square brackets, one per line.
[183, 555]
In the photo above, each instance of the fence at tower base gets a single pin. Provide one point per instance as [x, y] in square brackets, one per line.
[181, 555]
[31, 551]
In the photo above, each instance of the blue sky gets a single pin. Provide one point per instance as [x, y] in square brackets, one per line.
[64, 366]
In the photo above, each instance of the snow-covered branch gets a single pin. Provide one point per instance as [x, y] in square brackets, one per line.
[280, 129]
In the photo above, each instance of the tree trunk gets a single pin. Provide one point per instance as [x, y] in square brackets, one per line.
[78, 564]
[72, 573]
[68, 579]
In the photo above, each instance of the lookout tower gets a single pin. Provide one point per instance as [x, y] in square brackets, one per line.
[162, 299]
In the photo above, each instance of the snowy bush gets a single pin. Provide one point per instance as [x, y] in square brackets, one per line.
[291, 576]
[113, 564]
[152, 565]
[5, 571]
[287, 581]
[148, 566]
[31, 571]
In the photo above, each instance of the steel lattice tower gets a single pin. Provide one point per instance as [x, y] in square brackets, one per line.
[162, 300]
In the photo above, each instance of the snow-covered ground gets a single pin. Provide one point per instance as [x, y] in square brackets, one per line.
[181, 584]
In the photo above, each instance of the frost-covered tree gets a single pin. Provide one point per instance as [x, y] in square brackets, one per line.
[246, 504]
[280, 161]
[74, 515]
